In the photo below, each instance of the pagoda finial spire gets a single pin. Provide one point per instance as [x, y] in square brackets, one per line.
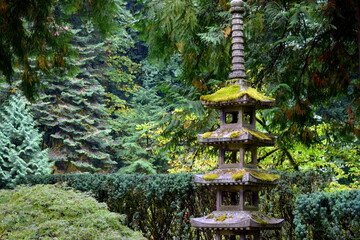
[238, 69]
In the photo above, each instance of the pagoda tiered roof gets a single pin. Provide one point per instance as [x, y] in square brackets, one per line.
[236, 135]
[236, 221]
[236, 177]
[234, 95]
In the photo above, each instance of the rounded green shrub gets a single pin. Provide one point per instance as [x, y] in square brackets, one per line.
[58, 212]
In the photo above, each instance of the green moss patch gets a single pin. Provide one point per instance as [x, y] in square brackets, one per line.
[235, 134]
[209, 177]
[233, 92]
[259, 135]
[265, 176]
[207, 135]
[238, 175]
[259, 220]
[222, 218]
[211, 216]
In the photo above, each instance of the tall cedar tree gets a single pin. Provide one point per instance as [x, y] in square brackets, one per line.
[20, 143]
[72, 110]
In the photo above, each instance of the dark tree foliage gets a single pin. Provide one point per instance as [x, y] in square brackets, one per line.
[30, 42]
[306, 53]
[196, 30]
[280, 201]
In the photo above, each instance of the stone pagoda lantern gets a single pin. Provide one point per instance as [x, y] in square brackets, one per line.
[237, 180]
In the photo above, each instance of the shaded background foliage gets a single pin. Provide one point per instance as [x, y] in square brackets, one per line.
[30, 29]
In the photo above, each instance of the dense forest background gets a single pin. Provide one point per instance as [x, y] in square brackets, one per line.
[114, 86]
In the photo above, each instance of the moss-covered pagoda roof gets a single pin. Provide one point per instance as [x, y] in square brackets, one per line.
[236, 135]
[236, 177]
[236, 221]
[233, 95]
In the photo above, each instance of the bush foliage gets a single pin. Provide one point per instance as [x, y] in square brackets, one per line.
[56, 212]
[280, 200]
[335, 215]
[161, 205]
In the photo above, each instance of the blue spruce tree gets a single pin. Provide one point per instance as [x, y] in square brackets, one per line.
[20, 144]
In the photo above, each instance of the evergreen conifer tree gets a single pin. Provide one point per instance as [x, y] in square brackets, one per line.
[142, 149]
[20, 140]
[72, 110]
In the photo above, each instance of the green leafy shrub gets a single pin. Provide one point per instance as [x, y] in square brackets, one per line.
[333, 215]
[56, 212]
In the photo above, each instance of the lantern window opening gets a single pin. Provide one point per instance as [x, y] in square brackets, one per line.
[251, 199]
[231, 157]
[248, 156]
[229, 198]
[231, 117]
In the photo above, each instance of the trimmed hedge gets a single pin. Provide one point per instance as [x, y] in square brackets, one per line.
[161, 205]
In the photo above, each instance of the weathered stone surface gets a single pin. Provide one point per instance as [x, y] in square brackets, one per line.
[237, 28]
[237, 21]
[237, 74]
[237, 46]
[237, 34]
[236, 220]
[238, 53]
[238, 40]
[236, 134]
[238, 67]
